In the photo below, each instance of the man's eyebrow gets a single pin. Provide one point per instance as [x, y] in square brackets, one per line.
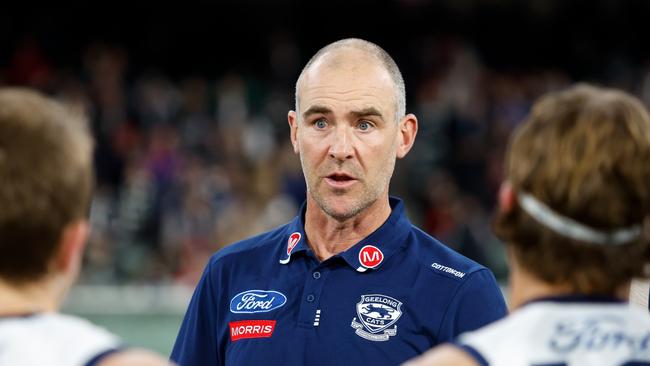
[370, 111]
[316, 109]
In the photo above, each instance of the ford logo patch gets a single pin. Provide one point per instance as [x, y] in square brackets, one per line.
[257, 301]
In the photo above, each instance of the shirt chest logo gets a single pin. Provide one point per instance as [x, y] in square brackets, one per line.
[257, 301]
[376, 314]
[251, 329]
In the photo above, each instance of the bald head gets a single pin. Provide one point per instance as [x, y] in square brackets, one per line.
[352, 53]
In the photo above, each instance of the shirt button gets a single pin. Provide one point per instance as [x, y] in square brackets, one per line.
[316, 275]
[310, 298]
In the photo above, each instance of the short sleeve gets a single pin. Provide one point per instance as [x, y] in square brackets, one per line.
[477, 302]
[196, 343]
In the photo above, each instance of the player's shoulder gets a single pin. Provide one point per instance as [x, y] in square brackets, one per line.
[557, 329]
[61, 339]
[519, 330]
[440, 260]
[509, 328]
[64, 326]
[96, 344]
[261, 245]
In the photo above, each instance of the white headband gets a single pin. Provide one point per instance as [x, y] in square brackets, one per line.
[572, 229]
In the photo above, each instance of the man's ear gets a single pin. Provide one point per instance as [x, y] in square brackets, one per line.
[71, 246]
[408, 129]
[506, 197]
[292, 117]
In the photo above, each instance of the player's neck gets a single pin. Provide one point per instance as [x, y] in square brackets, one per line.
[525, 287]
[28, 298]
[328, 236]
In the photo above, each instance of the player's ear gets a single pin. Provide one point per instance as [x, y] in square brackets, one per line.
[506, 197]
[408, 129]
[292, 117]
[71, 246]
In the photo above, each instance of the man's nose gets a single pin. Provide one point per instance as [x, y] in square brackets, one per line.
[341, 147]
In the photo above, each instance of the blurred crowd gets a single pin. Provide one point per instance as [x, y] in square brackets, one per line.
[187, 165]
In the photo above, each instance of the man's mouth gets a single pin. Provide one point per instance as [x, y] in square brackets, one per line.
[340, 180]
[340, 177]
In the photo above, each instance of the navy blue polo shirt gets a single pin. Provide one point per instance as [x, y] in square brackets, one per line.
[268, 300]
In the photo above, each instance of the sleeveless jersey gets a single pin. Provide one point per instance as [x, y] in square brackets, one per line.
[564, 332]
[52, 339]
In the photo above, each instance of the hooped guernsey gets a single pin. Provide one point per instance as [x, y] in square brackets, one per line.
[571, 330]
[268, 300]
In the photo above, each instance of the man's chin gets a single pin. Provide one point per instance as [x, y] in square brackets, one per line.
[342, 208]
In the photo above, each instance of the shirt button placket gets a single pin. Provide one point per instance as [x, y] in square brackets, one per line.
[311, 295]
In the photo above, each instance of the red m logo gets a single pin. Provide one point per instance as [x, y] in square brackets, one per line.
[370, 256]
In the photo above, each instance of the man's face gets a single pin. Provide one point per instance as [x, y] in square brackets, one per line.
[346, 134]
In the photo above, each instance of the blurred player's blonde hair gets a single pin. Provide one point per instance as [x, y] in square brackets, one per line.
[45, 180]
[585, 153]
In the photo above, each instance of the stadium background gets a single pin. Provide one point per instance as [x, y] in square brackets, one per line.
[188, 106]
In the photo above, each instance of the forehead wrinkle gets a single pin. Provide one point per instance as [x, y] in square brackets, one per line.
[357, 105]
[354, 106]
[337, 89]
[358, 94]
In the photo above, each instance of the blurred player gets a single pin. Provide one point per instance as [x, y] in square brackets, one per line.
[45, 189]
[572, 213]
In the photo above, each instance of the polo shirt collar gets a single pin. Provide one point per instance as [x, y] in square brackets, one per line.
[296, 240]
[369, 253]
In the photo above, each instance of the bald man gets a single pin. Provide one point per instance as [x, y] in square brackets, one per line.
[350, 280]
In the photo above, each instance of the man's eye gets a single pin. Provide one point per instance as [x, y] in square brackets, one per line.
[364, 125]
[321, 124]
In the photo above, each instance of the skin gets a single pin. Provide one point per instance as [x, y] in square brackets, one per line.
[134, 358]
[445, 355]
[348, 140]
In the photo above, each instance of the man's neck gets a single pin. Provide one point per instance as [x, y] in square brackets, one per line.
[27, 299]
[329, 236]
[525, 287]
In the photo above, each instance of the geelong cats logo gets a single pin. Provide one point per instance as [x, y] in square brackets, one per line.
[377, 313]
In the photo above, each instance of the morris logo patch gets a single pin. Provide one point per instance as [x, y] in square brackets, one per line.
[376, 314]
[251, 329]
[257, 301]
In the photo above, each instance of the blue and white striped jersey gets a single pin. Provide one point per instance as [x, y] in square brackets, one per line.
[566, 331]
